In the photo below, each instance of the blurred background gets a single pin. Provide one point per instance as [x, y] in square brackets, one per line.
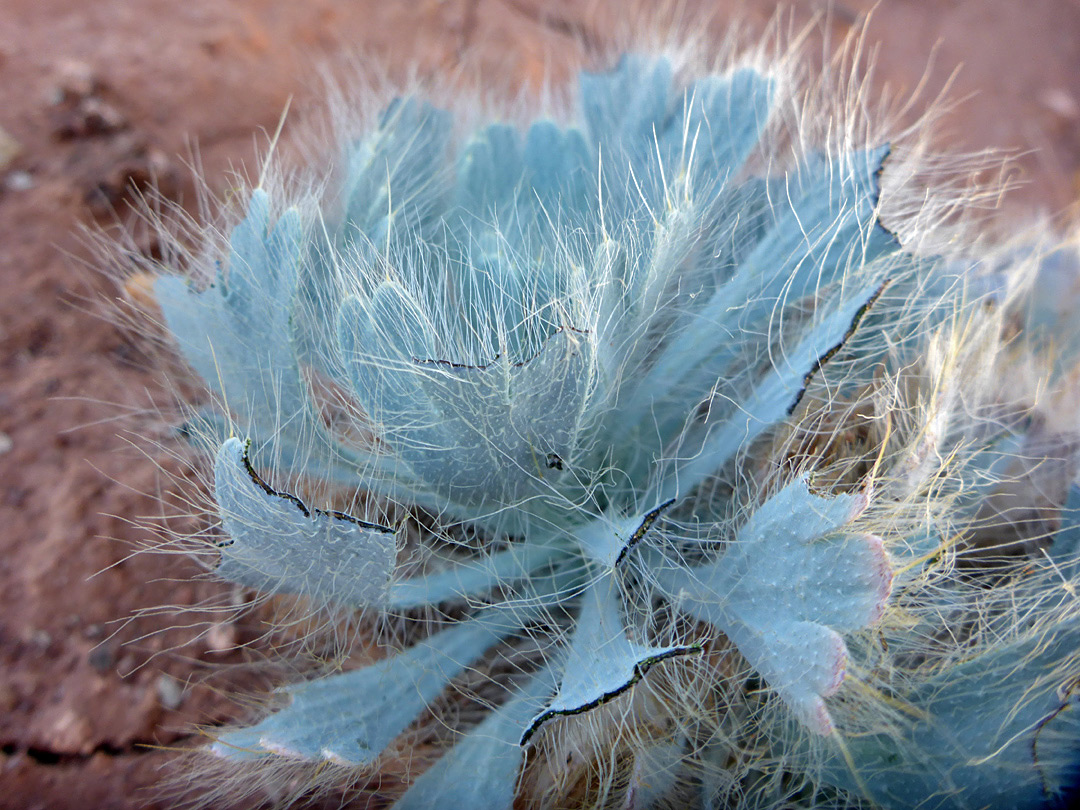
[97, 99]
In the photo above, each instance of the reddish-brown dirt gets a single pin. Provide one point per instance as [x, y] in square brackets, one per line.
[97, 96]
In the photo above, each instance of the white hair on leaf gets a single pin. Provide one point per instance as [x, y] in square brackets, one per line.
[693, 409]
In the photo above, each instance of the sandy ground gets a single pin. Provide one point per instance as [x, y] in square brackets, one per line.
[95, 97]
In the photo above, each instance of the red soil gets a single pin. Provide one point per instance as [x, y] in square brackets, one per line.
[97, 96]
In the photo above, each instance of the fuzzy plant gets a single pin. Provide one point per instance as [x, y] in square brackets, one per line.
[655, 454]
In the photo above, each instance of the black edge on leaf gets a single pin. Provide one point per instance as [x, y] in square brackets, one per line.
[640, 668]
[639, 533]
[299, 504]
[827, 356]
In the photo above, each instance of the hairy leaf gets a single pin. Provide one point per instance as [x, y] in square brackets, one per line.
[457, 781]
[785, 586]
[352, 717]
[603, 661]
[279, 545]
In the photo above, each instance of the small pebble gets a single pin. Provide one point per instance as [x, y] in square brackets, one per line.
[9, 148]
[101, 658]
[41, 639]
[73, 79]
[19, 181]
[221, 637]
[169, 692]
[1061, 102]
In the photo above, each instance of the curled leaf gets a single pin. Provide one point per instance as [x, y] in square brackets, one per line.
[279, 545]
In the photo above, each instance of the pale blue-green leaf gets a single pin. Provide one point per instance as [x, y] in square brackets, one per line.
[237, 335]
[626, 107]
[608, 272]
[513, 425]
[475, 435]
[603, 661]
[517, 206]
[624, 111]
[481, 771]
[399, 328]
[560, 170]
[827, 226]
[352, 717]
[721, 122]
[783, 588]
[462, 580]
[264, 258]
[209, 428]
[608, 539]
[1048, 313]
[489, 171]
[1056, 750]
[693, 249]
[396, 179]
[778, 391]
[490, 283]
[484, 273]
[998, 730]
[377, 340]
[279, 545]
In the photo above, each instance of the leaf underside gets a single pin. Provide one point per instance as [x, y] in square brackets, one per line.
[603, 662]
[279, 545]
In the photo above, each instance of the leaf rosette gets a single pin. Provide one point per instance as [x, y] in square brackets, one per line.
[565, 340]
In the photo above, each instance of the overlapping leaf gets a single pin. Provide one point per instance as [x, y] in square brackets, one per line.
[278, 545]
[553, 335]
[603, 661]
[352, 717]
[785, 589]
